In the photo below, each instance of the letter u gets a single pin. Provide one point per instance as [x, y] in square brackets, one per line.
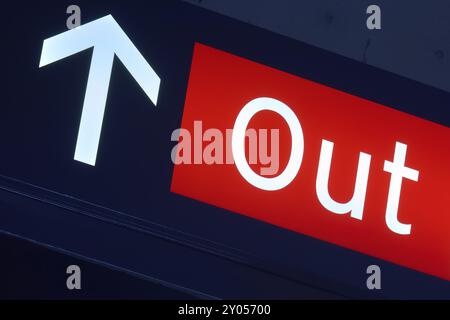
[356, 204]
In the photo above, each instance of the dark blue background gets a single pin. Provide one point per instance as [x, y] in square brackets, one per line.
[120, 213]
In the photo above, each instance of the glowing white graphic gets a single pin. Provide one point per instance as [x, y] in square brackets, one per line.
[238, 143]
[356, 204]
[398, 172]
[108, 39]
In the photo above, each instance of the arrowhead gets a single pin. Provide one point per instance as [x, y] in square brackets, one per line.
[107, 33]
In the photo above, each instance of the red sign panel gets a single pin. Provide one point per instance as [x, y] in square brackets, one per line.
[368, 177]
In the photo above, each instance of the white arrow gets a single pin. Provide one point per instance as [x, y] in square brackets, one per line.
[107, 38]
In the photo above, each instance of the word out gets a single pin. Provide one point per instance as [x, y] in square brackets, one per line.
[355, 206]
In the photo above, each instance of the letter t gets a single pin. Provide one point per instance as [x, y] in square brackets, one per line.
[398, 172]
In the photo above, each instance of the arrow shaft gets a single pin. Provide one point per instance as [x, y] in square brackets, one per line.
[94, 105]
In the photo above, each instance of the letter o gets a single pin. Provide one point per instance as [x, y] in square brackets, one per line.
[238, 144]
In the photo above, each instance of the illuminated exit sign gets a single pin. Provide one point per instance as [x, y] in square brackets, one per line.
[340, 168]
